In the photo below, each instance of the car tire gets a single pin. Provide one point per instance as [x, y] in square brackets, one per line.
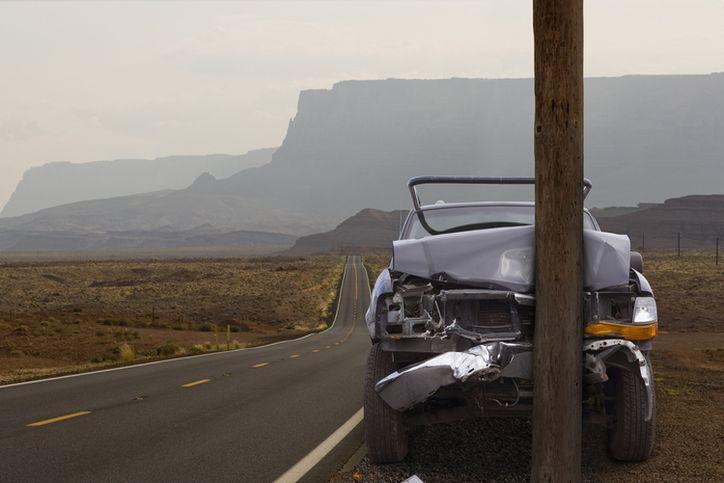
[384, 428]
[631, 437]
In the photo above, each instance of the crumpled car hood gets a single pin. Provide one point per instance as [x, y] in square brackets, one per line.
[505, 258]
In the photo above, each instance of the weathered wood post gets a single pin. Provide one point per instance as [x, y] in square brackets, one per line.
[558, 32]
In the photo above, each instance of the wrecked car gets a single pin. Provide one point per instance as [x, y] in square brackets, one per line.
[452, 321]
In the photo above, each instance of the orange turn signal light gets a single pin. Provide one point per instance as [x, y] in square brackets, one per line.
[625, 331]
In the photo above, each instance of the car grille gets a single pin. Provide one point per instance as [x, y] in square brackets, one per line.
[491, 316]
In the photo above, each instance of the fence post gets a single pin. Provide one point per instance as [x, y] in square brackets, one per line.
[678, 244]
[228, 337]
[643, 241]
[717, 251]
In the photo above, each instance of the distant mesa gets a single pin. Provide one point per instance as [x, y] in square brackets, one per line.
[351, 147]
[697, 219]
[367, 231]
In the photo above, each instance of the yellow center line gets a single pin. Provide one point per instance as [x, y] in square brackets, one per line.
[294, 356]
[315, 350]
[354, 307]
[355, 283]
[195, 383]
[261, 364]
[59, 418]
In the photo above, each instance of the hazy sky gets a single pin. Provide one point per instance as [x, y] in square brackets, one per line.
[87, 81]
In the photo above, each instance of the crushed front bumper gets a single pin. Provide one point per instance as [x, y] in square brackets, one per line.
[487, 362]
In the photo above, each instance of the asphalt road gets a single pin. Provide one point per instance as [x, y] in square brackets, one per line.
[245, 415]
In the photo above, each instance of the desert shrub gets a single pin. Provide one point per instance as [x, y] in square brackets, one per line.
[126, 353]
[106, 356]
[208, 327]
[118, 322]
[167, 350]
[236, 344]
[16, 353]
[196, 349]
[207, 345]
[21, 330]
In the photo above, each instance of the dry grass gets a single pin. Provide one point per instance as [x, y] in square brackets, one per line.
[689, 290]
[57, 316]
[375, 263]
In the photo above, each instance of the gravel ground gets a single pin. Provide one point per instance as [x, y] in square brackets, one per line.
[690, 393]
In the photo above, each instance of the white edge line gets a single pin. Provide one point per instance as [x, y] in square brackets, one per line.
[296, 472]
[302, 467]
[185, 358]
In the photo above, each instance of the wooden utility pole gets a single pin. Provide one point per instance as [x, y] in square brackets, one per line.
[558, 340]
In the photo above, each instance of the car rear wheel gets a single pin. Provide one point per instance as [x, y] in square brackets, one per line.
[631, 437]
[384, 429]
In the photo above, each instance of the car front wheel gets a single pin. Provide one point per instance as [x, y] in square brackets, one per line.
[384, 429]
[631, 437]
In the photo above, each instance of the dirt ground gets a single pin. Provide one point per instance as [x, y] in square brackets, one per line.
[79, 315]
[688, 360]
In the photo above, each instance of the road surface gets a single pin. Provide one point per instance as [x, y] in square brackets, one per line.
[289, 410]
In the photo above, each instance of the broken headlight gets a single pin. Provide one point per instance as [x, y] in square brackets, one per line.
[644, 311]
[635, 322]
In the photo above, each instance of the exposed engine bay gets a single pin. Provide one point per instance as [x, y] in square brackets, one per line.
[463, 318]
[452, 323]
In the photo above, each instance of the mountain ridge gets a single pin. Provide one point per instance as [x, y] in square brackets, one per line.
[355, 145]
[61, 182]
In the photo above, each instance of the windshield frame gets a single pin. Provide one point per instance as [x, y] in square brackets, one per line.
[406, 229]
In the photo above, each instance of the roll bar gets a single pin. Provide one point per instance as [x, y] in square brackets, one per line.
[413, 183]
